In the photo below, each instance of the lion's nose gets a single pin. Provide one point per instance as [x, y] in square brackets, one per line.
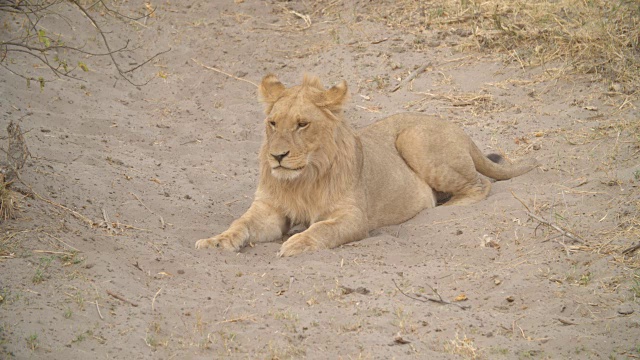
[281, 156]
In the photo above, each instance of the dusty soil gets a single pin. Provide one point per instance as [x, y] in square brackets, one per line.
[101, 262]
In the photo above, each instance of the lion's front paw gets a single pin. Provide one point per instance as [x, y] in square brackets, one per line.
[299, 243]
[227, 241]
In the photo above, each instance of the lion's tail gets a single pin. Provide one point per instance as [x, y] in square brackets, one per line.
[496, 167]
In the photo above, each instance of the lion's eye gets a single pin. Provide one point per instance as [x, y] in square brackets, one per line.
[302, 125]
[272, 123]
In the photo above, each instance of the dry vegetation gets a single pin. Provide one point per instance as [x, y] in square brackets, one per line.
[596, 37]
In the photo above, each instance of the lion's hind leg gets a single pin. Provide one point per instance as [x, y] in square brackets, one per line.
[444, 164]
[471, 194]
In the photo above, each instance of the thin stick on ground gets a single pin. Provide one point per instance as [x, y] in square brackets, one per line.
[162, 224]
[631, 249]
[107, 222]
[521, 202]
[223, 73]
[98, 307]
[566, 233]
[74, 213]
[60, 241]
[543, 221]
[238, 319]
[121, 298]
[153, 301]
[423, 298]
[53, 252]
[565, 322]
[411, 76]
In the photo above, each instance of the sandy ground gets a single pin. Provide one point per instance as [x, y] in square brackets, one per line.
[143, 172]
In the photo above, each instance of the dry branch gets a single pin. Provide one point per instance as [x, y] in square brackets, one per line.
[566, 233]
[121, 298]
[98, 308]
[631, 249]
[422, 298]
[411, 76]
[53, 252]
[153, 301]
[162, 224]
[223, 73]
[107, 222]
[238, 319]
[35, 42]
[566, 322]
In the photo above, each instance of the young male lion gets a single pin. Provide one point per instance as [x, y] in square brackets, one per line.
[315, 170]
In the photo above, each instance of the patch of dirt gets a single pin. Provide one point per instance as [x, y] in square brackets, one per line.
[101, 262]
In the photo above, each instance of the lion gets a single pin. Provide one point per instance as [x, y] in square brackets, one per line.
[318, 172]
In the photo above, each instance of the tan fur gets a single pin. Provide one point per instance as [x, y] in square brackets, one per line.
[315, 170]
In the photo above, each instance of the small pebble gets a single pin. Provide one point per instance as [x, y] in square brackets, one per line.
[625, 310]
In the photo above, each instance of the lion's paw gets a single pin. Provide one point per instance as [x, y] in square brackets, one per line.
[226, 241]
[299, 243]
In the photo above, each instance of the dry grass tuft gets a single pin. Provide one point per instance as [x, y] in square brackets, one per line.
[620, 241]
[8, 201]
[478, 103]
[464, 348]
[596, 37]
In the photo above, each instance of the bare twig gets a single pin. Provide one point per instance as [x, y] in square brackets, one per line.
[223, 73]
[36, 43]
[121, 298]
[375, 42]
[162, 224]
[631, 249]
[521, 202]
[75, 214]
[566, 233]
[153, 301]
[422, 298]
[566, 322]
[107, 222]
[53, 252]
[60, 241]
[411, 76]
[305, 18]
[238, 319]
[98, 307]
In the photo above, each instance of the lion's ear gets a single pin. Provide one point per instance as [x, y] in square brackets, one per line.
[334, 98]
[270, 90]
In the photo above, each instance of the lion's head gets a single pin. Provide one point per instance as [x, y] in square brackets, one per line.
[302, 127]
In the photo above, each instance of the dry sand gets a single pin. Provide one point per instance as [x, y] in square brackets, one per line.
[154, 168]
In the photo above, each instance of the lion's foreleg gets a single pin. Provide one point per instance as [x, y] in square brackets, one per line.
[340, 227]
[261, 223]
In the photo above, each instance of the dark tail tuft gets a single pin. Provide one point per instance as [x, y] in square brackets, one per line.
[496, 158]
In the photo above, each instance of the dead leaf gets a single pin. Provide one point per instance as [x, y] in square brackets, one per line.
[398, 339]
[312, 302]
[150, 9]
[461, 297]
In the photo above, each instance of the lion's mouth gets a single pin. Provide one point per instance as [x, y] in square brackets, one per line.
[286, 168]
